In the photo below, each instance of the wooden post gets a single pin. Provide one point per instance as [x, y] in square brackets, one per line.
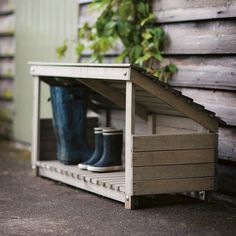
[129, 131]
[35, 123]
[151, 124]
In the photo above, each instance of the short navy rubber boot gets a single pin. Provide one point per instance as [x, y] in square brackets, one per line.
[69, 106]
[111, 159]
[98, 149]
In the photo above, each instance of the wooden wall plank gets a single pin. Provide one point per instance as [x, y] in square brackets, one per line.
[185, 10]
[7, 67]
[221, 102]
[227, 143]
[6, 110]
[6, 130]
[173, 185]
[6, 89]
[173, 171]
[7, 46]
[173, 142]
[176, 11]
[173, 157]
[7, 23]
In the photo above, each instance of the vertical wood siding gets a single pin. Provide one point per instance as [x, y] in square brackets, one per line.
[41, 26]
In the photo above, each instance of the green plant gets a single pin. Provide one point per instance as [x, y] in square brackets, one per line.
[133, 24]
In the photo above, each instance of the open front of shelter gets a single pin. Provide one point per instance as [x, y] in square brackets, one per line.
[170, 142]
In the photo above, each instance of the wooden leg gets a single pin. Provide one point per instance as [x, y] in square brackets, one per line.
[129, 131]
[35, 123]
[132, 203]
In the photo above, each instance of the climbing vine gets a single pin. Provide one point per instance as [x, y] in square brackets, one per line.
[132, 23]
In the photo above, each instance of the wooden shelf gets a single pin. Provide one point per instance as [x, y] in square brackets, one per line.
[106, 184]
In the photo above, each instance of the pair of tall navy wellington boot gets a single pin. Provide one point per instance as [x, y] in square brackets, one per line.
[69, 105]
[108, 150]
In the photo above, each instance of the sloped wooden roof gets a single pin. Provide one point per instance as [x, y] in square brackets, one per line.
[109, 80]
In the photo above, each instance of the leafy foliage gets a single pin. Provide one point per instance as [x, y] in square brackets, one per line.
[131, 22]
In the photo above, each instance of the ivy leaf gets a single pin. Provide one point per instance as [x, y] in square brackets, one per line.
[61, 51]
[172, 68]
[121, 57]
[79, 49]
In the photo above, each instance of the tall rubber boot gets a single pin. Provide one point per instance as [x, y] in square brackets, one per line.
[69, 106]
[111, 159]
[98, 149]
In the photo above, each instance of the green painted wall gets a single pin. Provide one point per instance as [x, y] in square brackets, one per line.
[41, 25]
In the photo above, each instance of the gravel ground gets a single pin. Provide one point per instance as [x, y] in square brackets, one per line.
[32, 205]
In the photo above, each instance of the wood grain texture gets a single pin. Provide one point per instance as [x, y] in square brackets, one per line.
[173, 171]
[73, 176]
[223, 103]
[174, 142]
[185, 10]
[179, 103]
[227, 143]
[198, 38]
[175, 11]
[173, 185]
[173, 157]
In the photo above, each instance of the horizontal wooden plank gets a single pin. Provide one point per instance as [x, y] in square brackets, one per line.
[6, 5]
[175, 11]
[227, 143]
[211, 72]
[7, 67]
[185, 10]
[174, 142]
[94, 71]
[214, 37]
[173, 157]
[173, 185]
[173, 171]
[6, 110]
[6, 129]
[7, 23]
[6, 89]
[223, 103]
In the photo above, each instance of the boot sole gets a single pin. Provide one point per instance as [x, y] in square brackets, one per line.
[83, 167]
[104, 169]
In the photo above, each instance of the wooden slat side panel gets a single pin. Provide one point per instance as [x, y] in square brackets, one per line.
[7, 46]
[7, 23]
[174, 142]
[6, 129]
[6, 111]
[173, 171]
[173, 157]
[173, 185]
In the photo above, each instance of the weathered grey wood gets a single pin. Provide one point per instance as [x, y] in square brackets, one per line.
[173, 185]
[205, 76]
[223, 103]
[185, 10]
[173, 157]
[200, 38]
[174, 11]
[6, 129]
[227, 143]
[113, 95]
[173, 171]
[129, 131]
[35, 123]
[7, 23]
[213, 72]
[173, 142]
[178, 103]
[6, 111]
[72, 70]
[71, 180]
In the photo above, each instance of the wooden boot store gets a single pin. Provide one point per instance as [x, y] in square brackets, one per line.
[169, 143]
